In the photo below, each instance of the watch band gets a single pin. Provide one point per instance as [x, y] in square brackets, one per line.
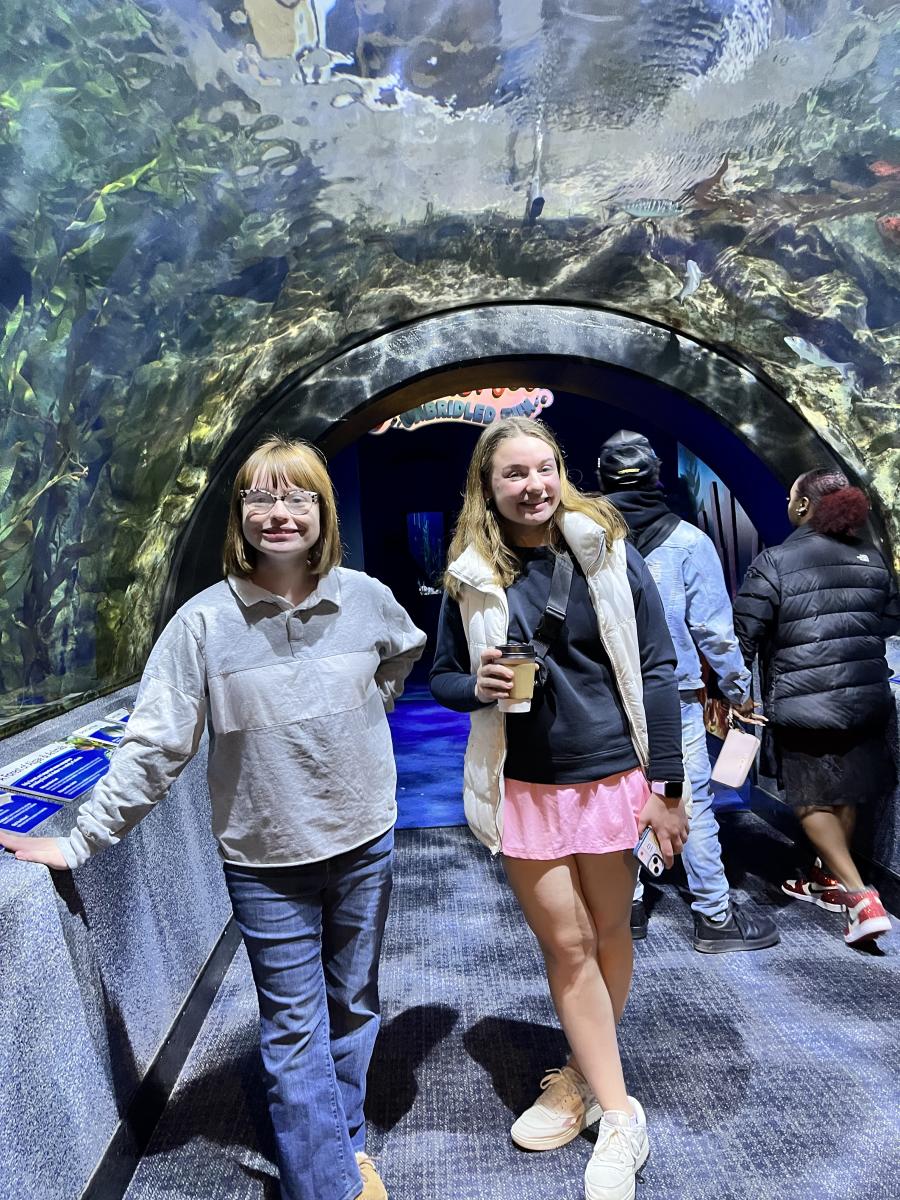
[670, 789]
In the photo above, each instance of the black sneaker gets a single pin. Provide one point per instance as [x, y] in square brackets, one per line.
[638, 921]
[739, 931]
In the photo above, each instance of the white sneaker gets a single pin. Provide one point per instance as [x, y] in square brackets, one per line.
[621, 1151]
[559, 1115]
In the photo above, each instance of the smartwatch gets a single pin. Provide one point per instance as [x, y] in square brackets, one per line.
[670, 790]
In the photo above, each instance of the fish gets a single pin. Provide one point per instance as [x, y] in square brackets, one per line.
[889, 228]
[884, 169]
[652, 207]
[692, 278]
[812, 354]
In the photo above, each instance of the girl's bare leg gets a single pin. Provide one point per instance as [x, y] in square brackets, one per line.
[553, 901]
[846, 814]
[825, 828]
[605, 882]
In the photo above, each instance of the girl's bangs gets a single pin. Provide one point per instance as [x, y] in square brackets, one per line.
[282, 466]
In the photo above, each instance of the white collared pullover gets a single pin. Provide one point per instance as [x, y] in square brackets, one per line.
[301, 765]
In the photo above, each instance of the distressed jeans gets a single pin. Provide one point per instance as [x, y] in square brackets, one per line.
[313, 935]
[702, 854]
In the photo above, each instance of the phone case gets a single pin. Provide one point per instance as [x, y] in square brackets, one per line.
[735, 758]
[648, 853]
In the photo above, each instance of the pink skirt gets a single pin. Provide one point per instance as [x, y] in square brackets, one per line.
[548, 820]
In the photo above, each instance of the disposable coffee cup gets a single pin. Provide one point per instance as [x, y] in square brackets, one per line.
[520, 658]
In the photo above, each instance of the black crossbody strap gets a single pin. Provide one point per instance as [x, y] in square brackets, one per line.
[554, 614]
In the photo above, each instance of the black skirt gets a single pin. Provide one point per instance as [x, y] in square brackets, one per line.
[833, 767]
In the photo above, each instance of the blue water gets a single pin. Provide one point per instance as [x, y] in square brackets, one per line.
[429, 743]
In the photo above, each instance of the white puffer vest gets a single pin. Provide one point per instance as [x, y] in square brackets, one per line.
[485, 614]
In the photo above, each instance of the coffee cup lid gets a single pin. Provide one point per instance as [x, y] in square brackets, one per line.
[517, 650]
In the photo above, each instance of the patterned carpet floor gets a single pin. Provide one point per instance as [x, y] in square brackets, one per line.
[765, 1076]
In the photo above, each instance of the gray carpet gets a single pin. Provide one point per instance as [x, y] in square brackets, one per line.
[769, 1075]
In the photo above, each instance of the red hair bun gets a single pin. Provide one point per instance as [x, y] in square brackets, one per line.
[840, 513]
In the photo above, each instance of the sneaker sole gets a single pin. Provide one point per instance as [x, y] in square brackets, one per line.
[638, 935]
[555, 1140]
[866, 931]
[819, 903]
[638, 1168]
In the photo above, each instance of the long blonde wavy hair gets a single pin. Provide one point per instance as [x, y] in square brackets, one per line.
[478, 524]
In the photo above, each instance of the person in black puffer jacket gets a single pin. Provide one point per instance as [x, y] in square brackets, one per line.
[817, 610]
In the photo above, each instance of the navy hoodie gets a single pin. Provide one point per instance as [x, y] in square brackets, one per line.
[577, 730]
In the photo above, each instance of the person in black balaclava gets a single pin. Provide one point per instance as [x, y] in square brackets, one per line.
[686, 568]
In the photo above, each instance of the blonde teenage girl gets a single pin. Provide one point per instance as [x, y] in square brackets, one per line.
[563, 791]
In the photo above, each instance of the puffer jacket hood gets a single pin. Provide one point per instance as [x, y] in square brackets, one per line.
[817, 610]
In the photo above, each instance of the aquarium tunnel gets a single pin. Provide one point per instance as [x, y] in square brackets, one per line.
[380, 226]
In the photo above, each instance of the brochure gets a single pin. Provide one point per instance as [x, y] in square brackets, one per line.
[22, 813]
[60, 771]
[107, 731]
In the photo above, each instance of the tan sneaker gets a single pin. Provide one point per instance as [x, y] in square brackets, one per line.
[373, 1188]
[559, 1115]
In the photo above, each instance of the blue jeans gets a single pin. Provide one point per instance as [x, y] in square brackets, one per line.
[702, 854]
[313, 934]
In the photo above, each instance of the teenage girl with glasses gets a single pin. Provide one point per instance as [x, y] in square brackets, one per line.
[292, 662]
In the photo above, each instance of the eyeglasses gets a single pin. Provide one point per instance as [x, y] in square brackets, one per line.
[259, 501]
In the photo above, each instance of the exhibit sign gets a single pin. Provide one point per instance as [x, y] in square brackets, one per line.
[43, 781]
[481, 407]
[59, 772]
[20, 814]
[107, 732]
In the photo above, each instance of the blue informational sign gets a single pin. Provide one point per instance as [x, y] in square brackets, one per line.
[58, 772]
[106, 732]
[21, 813]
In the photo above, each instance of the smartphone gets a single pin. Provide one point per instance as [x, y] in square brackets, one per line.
[648, 853]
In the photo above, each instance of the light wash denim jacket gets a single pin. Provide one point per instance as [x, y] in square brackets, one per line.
[688, 574]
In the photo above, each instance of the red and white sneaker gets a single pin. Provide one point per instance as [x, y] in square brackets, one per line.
[818, 887]
[866, 916]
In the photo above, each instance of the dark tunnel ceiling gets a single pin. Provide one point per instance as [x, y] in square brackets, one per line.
[200, 199]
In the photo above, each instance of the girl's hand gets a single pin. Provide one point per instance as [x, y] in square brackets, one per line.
[35, 849]
[492, 682]
[669, 822]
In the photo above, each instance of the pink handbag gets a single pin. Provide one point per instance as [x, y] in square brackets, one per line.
[735, 758]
